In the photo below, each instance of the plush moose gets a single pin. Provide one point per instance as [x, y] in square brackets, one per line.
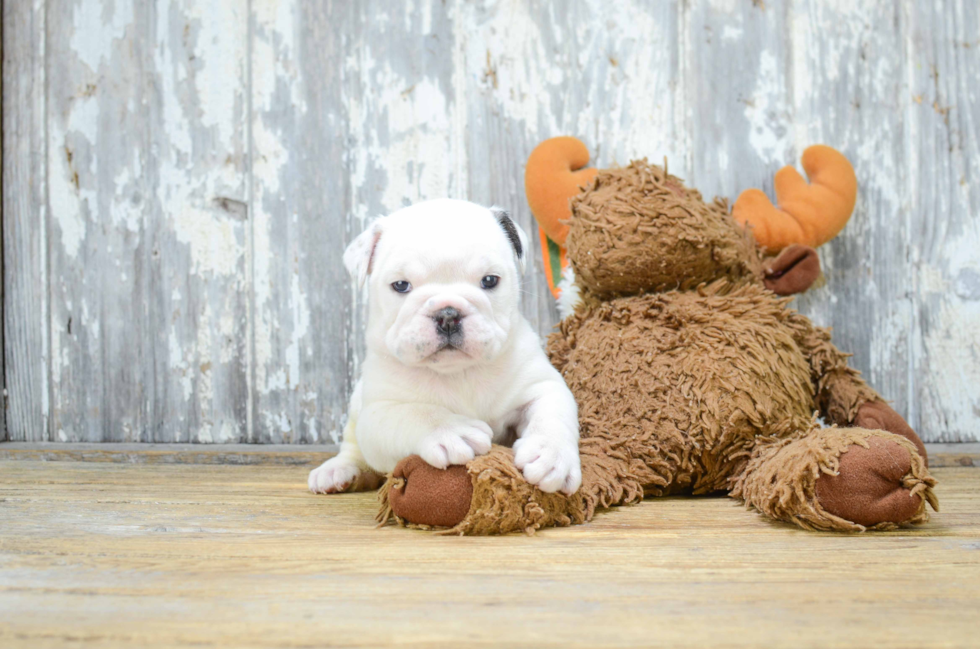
[691, 373]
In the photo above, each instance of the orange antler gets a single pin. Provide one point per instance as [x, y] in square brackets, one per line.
[553, 175]
[811, 214]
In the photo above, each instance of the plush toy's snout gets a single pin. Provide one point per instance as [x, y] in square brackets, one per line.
[793, 271]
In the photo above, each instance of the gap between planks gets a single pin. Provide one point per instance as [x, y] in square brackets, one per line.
[247, 454]
[940, 455]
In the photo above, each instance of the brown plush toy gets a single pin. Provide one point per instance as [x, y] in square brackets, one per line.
[691, 373]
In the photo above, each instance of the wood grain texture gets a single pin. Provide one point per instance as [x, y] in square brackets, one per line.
[25, 285]
[736, 89]
[95, 135]
[180, 453]
[847, 89]
[942, 58]
[195, 360]
[145, 155]
[3, 403]
[119, 555]
[181, 179]
[940, 455]
[301, 365]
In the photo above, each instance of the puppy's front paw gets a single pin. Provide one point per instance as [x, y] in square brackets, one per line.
[456, 443]
[333, 476]
[548, 464]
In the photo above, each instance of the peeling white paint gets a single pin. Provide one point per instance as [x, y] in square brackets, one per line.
[951, 342]
[767, 135]
[99, 26]
[71, 197]
[951, 352]
[179, 364]
[277, 422]
[509, 57]
[301, 323]
[266, 171]
[416, 157]
[214, 242]
[273, 54]
[275, 381]
[270, 161]
[223, 55]
[731, 33]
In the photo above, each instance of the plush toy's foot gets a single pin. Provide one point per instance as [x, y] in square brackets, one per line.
[846, 479]
[878, 415]
[873, 484]
[425, 495]
[487, 496]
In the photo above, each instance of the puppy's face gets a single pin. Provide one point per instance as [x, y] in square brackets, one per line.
[444, 283]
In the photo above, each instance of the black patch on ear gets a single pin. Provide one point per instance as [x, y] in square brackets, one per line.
[507, 225]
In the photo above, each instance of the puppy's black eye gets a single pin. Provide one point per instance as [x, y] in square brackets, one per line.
[489, 281]
[401, 286]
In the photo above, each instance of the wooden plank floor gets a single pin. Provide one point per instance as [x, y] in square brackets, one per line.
[174, 555]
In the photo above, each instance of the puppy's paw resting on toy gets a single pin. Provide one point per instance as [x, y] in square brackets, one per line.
[547, 464]
[456, 443]
[487, 496]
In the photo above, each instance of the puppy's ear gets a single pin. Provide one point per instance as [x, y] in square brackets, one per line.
[515, 234]
[359, 256]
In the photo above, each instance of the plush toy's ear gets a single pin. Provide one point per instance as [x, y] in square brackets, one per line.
[515, 234]
[553, 175]
[792, 271]
[810, 214]
[359, 256]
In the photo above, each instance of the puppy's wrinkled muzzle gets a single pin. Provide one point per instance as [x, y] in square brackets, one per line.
[448, 321]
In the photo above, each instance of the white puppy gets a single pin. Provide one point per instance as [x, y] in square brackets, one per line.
[451, 363]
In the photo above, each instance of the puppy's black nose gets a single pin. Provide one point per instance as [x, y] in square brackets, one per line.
[447, 320]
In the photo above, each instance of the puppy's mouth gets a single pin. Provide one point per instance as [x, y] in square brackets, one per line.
[446, 348]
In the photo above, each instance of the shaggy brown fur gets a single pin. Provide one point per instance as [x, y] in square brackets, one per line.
[616, 249]
[692, 376]
[502, 500]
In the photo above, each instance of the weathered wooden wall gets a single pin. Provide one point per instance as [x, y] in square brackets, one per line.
[3, 409]
[180, 178]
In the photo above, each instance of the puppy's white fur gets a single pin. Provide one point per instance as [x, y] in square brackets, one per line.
[447, 398]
